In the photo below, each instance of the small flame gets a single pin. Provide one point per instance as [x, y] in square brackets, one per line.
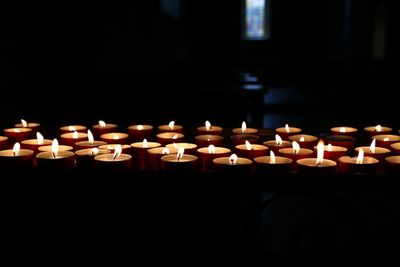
[140, 127]
[165, 151]
[71, 128]
[244, 127]
[360, 157]
[208, 125]
[232, 159]
[117, 151]
[39, 138]
[287, 129]
[278, 140]
[54, 147]
[171, 125]
[175, 136]
[320, 152]
[24, 123]
[94, 151]
[372, 146]
[296, 147]
[102, 124]
[16, 149]
[378, 128]
[248, 145]
[329, 147]
[145, 144]
[179, 155]
[17, 131]
[75, 135]
[115, 136]
[386, 139]
[211, 149]
[272, 159]
[90, 137]
[302, 139]
[342, 130]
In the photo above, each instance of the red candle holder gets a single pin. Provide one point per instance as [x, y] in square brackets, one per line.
[166, 138]
[140, 131]
[205, 140]
[208, 154]
[346, 141]
[344, 130]
[279, 165]
[72, 128]
[305, 140]
[18, 134]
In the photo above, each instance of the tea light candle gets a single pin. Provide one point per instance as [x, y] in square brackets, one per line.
[171, 127]
[251, 151]
[73, 128]
[232, 164]
[179, 162]
[190, 148]
[3, 142]
[385, 140]
[140, 132]
[344, 130]
[24, 124]
[115, 138]
[126, 149]
[395, 148]
[154, 157]
[169, 137]
[238, 139]
[34, 144]
[90, 143]
[102, 128]
[16, 157]
[332, 152]
[378, 129]
[392, 164]
[209, 129]
[18, 134]
[317, 165]
[273, 164]
[84, 158]
[277, 144]
[204, 140]
[374, 151]
[305, 140]
[139, 150]
[55, 159]
[245, 130]
[295, 152]
[70, 139]
[358, 165]
[208, 154]
[48, 148]
[285, 132]
[341, 140]
[116, 161]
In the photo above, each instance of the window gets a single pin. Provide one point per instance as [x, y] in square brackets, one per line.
[256, 18]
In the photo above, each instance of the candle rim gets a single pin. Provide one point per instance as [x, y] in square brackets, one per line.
[331, 162]
[21, 129]
[60, 154]
[342, 148]
[21, 153]
[367, 150]
[265, 160]
[353, 160]
[295, 136]
[240, 161]
[205, 150]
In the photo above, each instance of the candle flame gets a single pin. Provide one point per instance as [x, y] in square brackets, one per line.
[179, 155]
[272, 158]
[287, 129]
[115, 136]
[296, 147]
[117, 151]
[102, 124]
[378, 128]
[211, 149]
[320, 152]
[329, 147]
[24, 123]
[233, 159]
[75, 135]
[39, 138]
[302, 139]
[175, 136]
[71, 128]
[90, 137]
[165, 151]
[244, 127]
[208, 125]
[17, 131]
[140, 127]
[94, 151]
[342, 130]
[278, 140]
[16, 148]
[54, 147]
[360, 157]
[248, 145]
[145, 144]
[171, 125]
[372, 146]
[386, 139]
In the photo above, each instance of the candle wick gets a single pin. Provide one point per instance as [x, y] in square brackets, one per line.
[14, 153]
[54, 154]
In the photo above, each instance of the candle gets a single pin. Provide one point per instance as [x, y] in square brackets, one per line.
[374, 151]
[305, 140]
[16, 157]
[277, 144]
[102, 127]
[395, 148]
[72, 128]
[273, 164]
[140, 132]
[232, 164]
[204, 140]
[317, 165]
[341, 140]
[378, 129]
[71, 138]
[34, 144]
[332, 152]
[169, 137]
[171, 127]
[139, 150]
[251, 151]
[358, 165]
[3, 142]
[24, 124]
[392, 164]
[385, 140]
[48, 148]
[209, 129]
[344, 130]
[89, 143]
[154, 157]
[179, 162]
[245, 130]
[115, 138]
[55, 159]
[126, 149]
[285, 132]
[84, 158]
[208, 154]
[17, 134]
[294, 153]
[238, 139]
[115, 162]
[190, 148]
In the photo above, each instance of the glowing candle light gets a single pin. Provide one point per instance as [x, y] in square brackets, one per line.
[34, 144]
[317, 165]
[273, 164]
[102, 128]
[55, 159]
[115, 138]
[358, 165]
[16, 157]
[179, 161]
[251, 151]
[207, 154]
[245, 130]
[139, 132]
[115, 161]
[277, 144]
[232, 164]
[73, 128]
[287, 131]
[89, 143]
[70, 138]
[344, 130]
[374, 151]
[139, 150]
[24, 124]
[170, 127]
[209, 129]
[306, 140]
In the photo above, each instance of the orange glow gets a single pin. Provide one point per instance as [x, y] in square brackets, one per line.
[16, 149]
[94, 151]
[75, 135]
[145, 144]
[244, 127]
[320, 152]
[54, 147]
[211, 149]
[179, 155]
[90, 137]
[372, 146]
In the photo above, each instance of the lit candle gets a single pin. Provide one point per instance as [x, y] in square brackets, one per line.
[277, 144]
[24, 124]
[385, 140]
[179, 162]
[358, 165]
[374, 151]
[73, 128]
[273, 164]
[251, 151]
[126, 149]
[34, 144]
[317, 165]
[102, 127]
[169, 137]
[140, 131]
[392, 165]
[139, 150]
[170, 127]
[190, 148]
[71, 138]
[285, 132]
[55, 159]
[395, 148]
[344, 130]
[154, 157]
[89, 143]
[245, 130]
[305, 140]
[209, 129]
[115, 138]
[378, 129]
[115, 162]
[332, 152]
[85, 157]
[208, 154]
[16, 157]
[3, 142]
[204, 140]
[341, 140]
[232, 164]
[18, 134]
[294, 153]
